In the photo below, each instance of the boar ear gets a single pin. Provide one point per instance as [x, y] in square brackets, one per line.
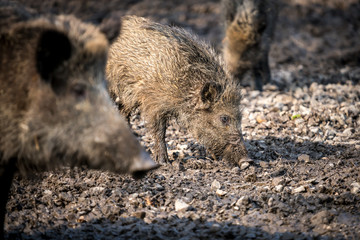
[208, 94]
[53, 49]
[111, 28]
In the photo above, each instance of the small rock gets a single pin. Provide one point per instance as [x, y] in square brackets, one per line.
[299, 189]
[321, 188]
[260, 119]
[243, 201]
[220, 193]
[215, 185]
[215, 227]
[278, 172]
[244, 165]
[355, 187]
[278, 181]
[279, 188]
[314, 130]
[133, 198]
[180, 205]
[47, 192]
[96, 190]
[348, 132]
[235, 170]
[270, 201]
[304, 110]
[304, 157]
[140, 215]
[159, 187]
[81, 219]
[183, 146]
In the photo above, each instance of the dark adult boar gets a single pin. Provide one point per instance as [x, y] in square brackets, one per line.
[169, 73]
[54, 106]
[249, 29]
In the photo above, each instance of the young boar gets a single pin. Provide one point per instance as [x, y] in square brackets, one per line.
[249, 29]
[54, 105]
[168, 73]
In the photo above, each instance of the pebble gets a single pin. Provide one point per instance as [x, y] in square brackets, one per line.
[133, 198]
[355, 187]
[244, 165]
[270, 201]
[260, 119]
[278, 181]
[180, 205]
[304, 157]
[220, 193]
[279, 188]
[159, 187]
[96, 190]
[299, 189]
[140, 215]
[235, 170]
[47, 192]
[243, 201]
[314, 130]
[215, 227]
[215, 185]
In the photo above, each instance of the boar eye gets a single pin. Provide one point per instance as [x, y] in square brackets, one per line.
[79, 90]
[225, 120]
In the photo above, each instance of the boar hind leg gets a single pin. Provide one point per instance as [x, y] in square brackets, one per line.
[6, 176]
[262, 73]
[158, 127]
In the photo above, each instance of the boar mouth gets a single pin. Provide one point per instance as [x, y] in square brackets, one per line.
[235, 152]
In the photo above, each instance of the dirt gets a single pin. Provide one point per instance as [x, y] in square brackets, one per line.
[302, 133]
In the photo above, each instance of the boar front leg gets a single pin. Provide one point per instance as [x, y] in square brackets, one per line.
[158, 127]
[7, 171]
[261, 72]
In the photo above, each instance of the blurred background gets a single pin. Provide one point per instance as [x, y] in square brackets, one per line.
[315, 40]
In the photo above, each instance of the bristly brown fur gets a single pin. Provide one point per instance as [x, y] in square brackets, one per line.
[168, 72]
[54, 107]
[249, 29]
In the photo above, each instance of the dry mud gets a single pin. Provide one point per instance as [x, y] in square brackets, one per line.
[302, 133]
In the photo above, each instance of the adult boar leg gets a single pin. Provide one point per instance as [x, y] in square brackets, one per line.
[6, 175]
[158, 127]
[261, 72]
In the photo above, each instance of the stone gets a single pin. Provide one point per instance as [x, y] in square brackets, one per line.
[180, 205]
[220, 193]
[215, 185]
[299, 189]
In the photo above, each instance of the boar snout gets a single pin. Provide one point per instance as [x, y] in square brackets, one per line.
[236, 152]
[141, 165]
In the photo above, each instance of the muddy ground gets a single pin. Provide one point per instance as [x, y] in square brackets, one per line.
[302, 134]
